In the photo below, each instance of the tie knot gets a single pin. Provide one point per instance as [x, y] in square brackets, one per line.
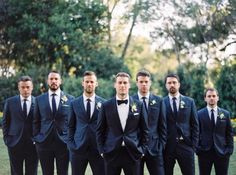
[174, 98]
[122, 101]
[212, 110]
[144, 98]
[25, 100]
[88, 100]
[54, 94]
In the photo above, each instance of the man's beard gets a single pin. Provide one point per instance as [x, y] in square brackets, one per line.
[173, 90]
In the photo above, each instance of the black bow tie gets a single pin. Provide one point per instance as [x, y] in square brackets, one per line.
[122, 101]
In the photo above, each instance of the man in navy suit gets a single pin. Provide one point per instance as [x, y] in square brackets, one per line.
[122, 132]
[17, 129]
[156, 125]
[50, 127]
[216, 136]
[182, 128]
[82, 126]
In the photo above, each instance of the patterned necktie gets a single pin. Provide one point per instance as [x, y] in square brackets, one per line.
[88, 108]
[54, 106]
[145, 104]
[25, 108]
[174, 106]
[212, 119]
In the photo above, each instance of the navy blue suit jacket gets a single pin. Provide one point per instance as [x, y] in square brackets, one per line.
[185, 125]
[110, 134]
[81, 129]
[222, 134]
[14, 121]
[156, 125]
[44, 121]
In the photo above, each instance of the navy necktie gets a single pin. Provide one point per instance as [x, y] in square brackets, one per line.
[145, 104]
[212, 119]
[54, 106]
[25, 108]
[88, 108]
[122, 101]
[174, 106]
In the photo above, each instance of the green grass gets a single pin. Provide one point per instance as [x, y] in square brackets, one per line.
[5, 167]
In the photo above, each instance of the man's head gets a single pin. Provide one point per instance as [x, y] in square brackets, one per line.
[122, 84]
[54, 80]
[211, 97]
[143, 82]
[25, 86]
[89, 83]
[172, 83]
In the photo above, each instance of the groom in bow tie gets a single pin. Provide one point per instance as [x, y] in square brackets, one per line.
[122, 132]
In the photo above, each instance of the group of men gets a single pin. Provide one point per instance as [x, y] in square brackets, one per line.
[122, 133]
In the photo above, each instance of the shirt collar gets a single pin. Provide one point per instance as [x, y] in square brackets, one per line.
[127, 98]
[28, 98]
[57, 92]
[140, 96]
[177, 96]
[92, 98]
[209, 109]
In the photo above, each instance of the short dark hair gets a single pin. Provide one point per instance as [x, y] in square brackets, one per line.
[89, 73]
[24, 78]
[143, 73]
[172, 75]
[54, 71]
[122, 74]
[210, 89]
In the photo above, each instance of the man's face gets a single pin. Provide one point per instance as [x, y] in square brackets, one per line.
[172, 85]
[25, 88]
[89, 84]
[211, 98]
[54, 81]
[143, 83]
[122, 86]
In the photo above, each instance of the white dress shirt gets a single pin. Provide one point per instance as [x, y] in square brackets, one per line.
[28, 102]
[215, 112]
[57, 97]
[123, 111]
[92, 103]
[177, 101]
[147, 98]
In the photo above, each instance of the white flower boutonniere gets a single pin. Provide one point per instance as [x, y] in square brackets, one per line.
[134, 107]
[98, 105]
[153, 102]
[182, 104]
[64, 99]
[221, 115]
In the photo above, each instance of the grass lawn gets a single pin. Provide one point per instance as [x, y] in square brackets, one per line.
[5, 168]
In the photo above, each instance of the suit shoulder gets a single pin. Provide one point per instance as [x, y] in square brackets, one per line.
[100, 98]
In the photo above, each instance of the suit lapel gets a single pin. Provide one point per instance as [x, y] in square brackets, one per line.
[168, 108]
[31, 107]
[116, 114]
[22, 115]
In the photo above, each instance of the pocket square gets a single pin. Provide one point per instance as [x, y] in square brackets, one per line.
[136, 113]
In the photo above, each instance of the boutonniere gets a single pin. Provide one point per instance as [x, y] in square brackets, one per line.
[64, 99]
[182, 104]
[221, 115]
[98, 105]
[134, 107]
[153, 102]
